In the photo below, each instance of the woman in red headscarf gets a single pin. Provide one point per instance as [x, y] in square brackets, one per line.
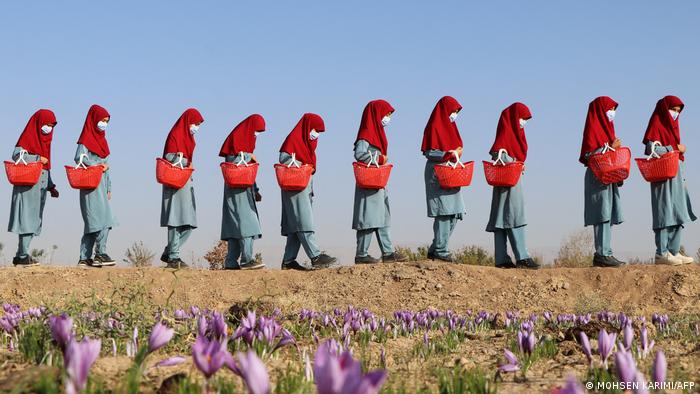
[442, 143]
[240, 223]
[602, 208]
[507, 220]
[670, 202]
[27, 207]
[371, 214]
[93, 150]
[297, 217]
[178, 209]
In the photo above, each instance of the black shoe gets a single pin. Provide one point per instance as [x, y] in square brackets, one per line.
[164, 258]
[396, 257]
[508, 264]
[26, 261]
[619, 262]
[431, 255]
[604, 261]
[253, 265]
[366, 260]
[527, 263]
[294, 265]
[105, 260]
[89, 263]
[323, 261]
[447, 258]
[176, 264]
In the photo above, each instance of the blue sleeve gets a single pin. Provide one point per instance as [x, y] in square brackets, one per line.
[505, 157]
[83, 150]
[362, 152]
[658, 149]
[175, 157]
[286, 158]
[235, 158]
[435, 155]
[28, 157]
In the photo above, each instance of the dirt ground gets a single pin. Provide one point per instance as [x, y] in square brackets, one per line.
[382, 288]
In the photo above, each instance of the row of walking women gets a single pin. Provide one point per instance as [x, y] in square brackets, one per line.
[442, 147]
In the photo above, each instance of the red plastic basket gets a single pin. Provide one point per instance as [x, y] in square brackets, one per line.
[171, 175]
[239, 176]
[659, 169]
[23, 174]
[450, 177]
[371, 177]
[293, 178]
[612, 166]
[84, 178]
[504, 175]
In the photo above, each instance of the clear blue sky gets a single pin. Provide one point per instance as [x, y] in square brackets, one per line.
[147, 61]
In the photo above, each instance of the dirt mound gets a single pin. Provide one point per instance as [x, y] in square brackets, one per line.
[383, 288]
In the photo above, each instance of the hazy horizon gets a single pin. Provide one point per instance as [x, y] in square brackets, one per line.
[146, 63]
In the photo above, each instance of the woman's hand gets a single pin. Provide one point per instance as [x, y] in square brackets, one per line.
[105, 167]
[253, 158]
[109, 195]
[682, 148]
[43, 160]
[53, 192]
[617, 143]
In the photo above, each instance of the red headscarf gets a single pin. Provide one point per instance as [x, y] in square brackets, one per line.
[33, 140]
[242, 137]
[440, 133]
[598, 130]
[509, 135]
[371, 128]
[298, 141]
[92, 137]
[662, 127]
[180, 139]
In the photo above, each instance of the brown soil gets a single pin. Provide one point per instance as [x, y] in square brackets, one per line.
[382, 288]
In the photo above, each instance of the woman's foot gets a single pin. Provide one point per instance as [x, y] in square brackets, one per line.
[667, 259]
[366, 260]
[26, 261]
[508, 264]
[294, 265]
[176, 264]
[253, 265]
[527, 263]
[684, 259]
[89, 263]
[604, 261]
[105, 260]
[323, 261]
[396, 257]
[446, 258]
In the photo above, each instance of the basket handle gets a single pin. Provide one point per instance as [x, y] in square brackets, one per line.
[607, 147]
[293, 162]
[240, 160]
[653, 153]
[179, 160]
[500, 157]
[80, 161]
[373, 159]
[22, 152]
[458, 162]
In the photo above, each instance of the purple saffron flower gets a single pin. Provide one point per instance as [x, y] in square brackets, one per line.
[512, 364]
[606, 342]
[202, 326]
[61, 330]
[79, 357]
[218, 326]
[335, 374]
[254, 373]
[586, 345]
[646, 345]
[573, 386]
[628, 336]
[209, 356]
[169, 362]
[659, 368]
[529, 342]
[160, 336]
[625, 366]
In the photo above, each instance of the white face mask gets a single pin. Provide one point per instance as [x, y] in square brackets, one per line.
[522, 123]
[453, 116]
[610, 114]
[314, 135]
[46, 129]
[257, 133]
[194, 129]
[386, 120]
[102, 125]
[674, 114]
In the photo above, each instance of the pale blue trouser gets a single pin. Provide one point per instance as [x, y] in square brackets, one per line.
[602, 235]
[443, 226]
[93, 242]
[307, 239]
[668, 239]
[177, 236]
[516, 236]
[364, 238]
[239, 247]
[23, 245]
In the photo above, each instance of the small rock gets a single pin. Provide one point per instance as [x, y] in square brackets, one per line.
[565, 285]
[438, 286]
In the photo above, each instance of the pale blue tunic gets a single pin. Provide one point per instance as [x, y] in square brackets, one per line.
[440, 202]
[27, 206]
[371, 208]
[178, 207]
[670, 201]
[507, 204]
[297, 214]
[601, 202]
[94, 204]
[240, 213]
